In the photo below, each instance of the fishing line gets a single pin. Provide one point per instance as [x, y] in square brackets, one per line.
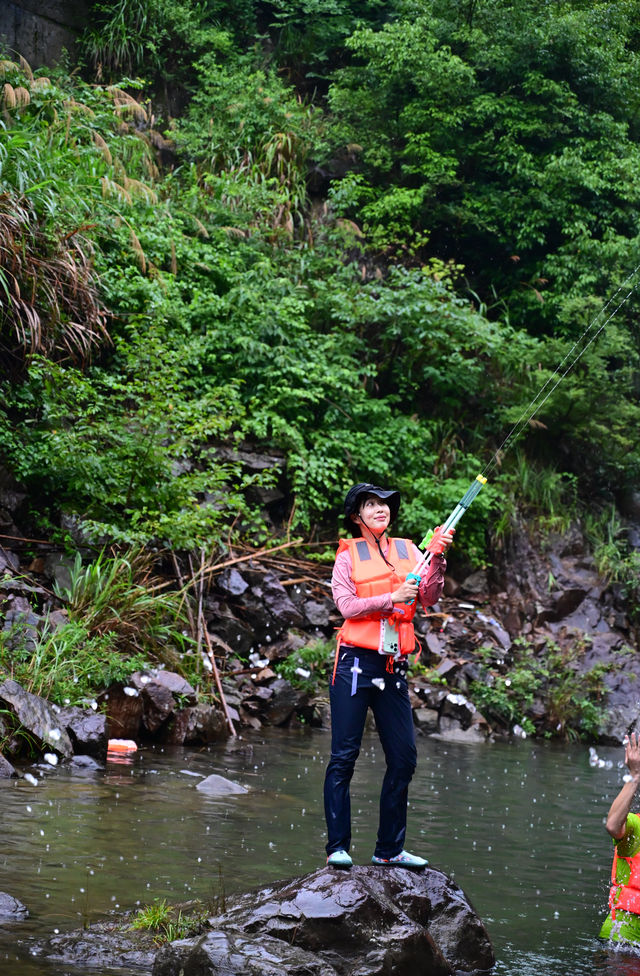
[532, 408]
[528, 413]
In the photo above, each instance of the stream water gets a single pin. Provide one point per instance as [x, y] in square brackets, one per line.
[518, 825]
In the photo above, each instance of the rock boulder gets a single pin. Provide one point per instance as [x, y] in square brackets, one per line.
[365, 922]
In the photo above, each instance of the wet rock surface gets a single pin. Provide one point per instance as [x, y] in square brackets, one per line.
[11, 909]
[111, 944]
[36, 716]
[369, 921]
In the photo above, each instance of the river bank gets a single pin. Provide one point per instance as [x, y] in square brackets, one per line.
[86, 845]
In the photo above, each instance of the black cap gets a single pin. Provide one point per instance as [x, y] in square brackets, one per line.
[354, 498]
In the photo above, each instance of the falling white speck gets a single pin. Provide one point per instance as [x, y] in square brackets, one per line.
[131, 692]
[51, 758]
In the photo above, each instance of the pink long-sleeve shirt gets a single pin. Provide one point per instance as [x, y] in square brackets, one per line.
[350, 605]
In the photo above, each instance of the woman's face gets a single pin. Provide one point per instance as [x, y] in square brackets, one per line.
[375, 514]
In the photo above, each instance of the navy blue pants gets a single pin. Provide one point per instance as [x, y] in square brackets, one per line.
[394, 721]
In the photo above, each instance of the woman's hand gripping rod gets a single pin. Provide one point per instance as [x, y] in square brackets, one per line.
[433, 542]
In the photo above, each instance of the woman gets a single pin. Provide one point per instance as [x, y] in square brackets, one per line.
[373, 594]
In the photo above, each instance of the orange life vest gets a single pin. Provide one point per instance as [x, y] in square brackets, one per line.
[625, 895]
[373, 577]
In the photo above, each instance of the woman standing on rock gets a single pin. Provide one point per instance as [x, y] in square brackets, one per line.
[373, 594]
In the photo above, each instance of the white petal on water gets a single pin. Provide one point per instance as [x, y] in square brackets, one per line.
[31, 779]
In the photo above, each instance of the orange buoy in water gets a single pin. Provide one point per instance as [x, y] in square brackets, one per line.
[121, 745]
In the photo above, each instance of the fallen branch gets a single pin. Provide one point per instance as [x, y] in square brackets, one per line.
[216, 674]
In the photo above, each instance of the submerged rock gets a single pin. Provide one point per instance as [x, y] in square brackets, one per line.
[215, 785]
[10, 908]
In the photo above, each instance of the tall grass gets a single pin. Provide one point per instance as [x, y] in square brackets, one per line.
[66, 665]
[118, 597]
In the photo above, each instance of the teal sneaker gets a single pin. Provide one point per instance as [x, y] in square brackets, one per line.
[401, 860]
[339, 859]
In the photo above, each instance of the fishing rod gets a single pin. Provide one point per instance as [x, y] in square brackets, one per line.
[527, 415]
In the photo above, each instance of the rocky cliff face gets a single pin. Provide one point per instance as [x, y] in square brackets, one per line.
[41, 32]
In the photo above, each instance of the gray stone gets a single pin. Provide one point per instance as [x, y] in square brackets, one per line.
[426, 719]
[476, 583]
[21, 624]
[232, 582]
[9, 561]
[158, 705]
[451, 730]
[11, 908]
[85, 763]
[277, 602]
[215, 785]
[37, 717]
[177, 685]
[496, 630]
[59, 568]
[284, 702]
[104, 946]
[370, 921]
[459, 708]
[86, 728]
[318, 614]
[226, 953]
[199, 723]
[6, 769]
[365, 922]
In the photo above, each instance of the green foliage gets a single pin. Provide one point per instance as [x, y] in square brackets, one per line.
[167, 923]
[480, 156]
[572, 699]
[615, 560]
[542, 494]
[68, 665]
[119, 598]
[309, 666]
